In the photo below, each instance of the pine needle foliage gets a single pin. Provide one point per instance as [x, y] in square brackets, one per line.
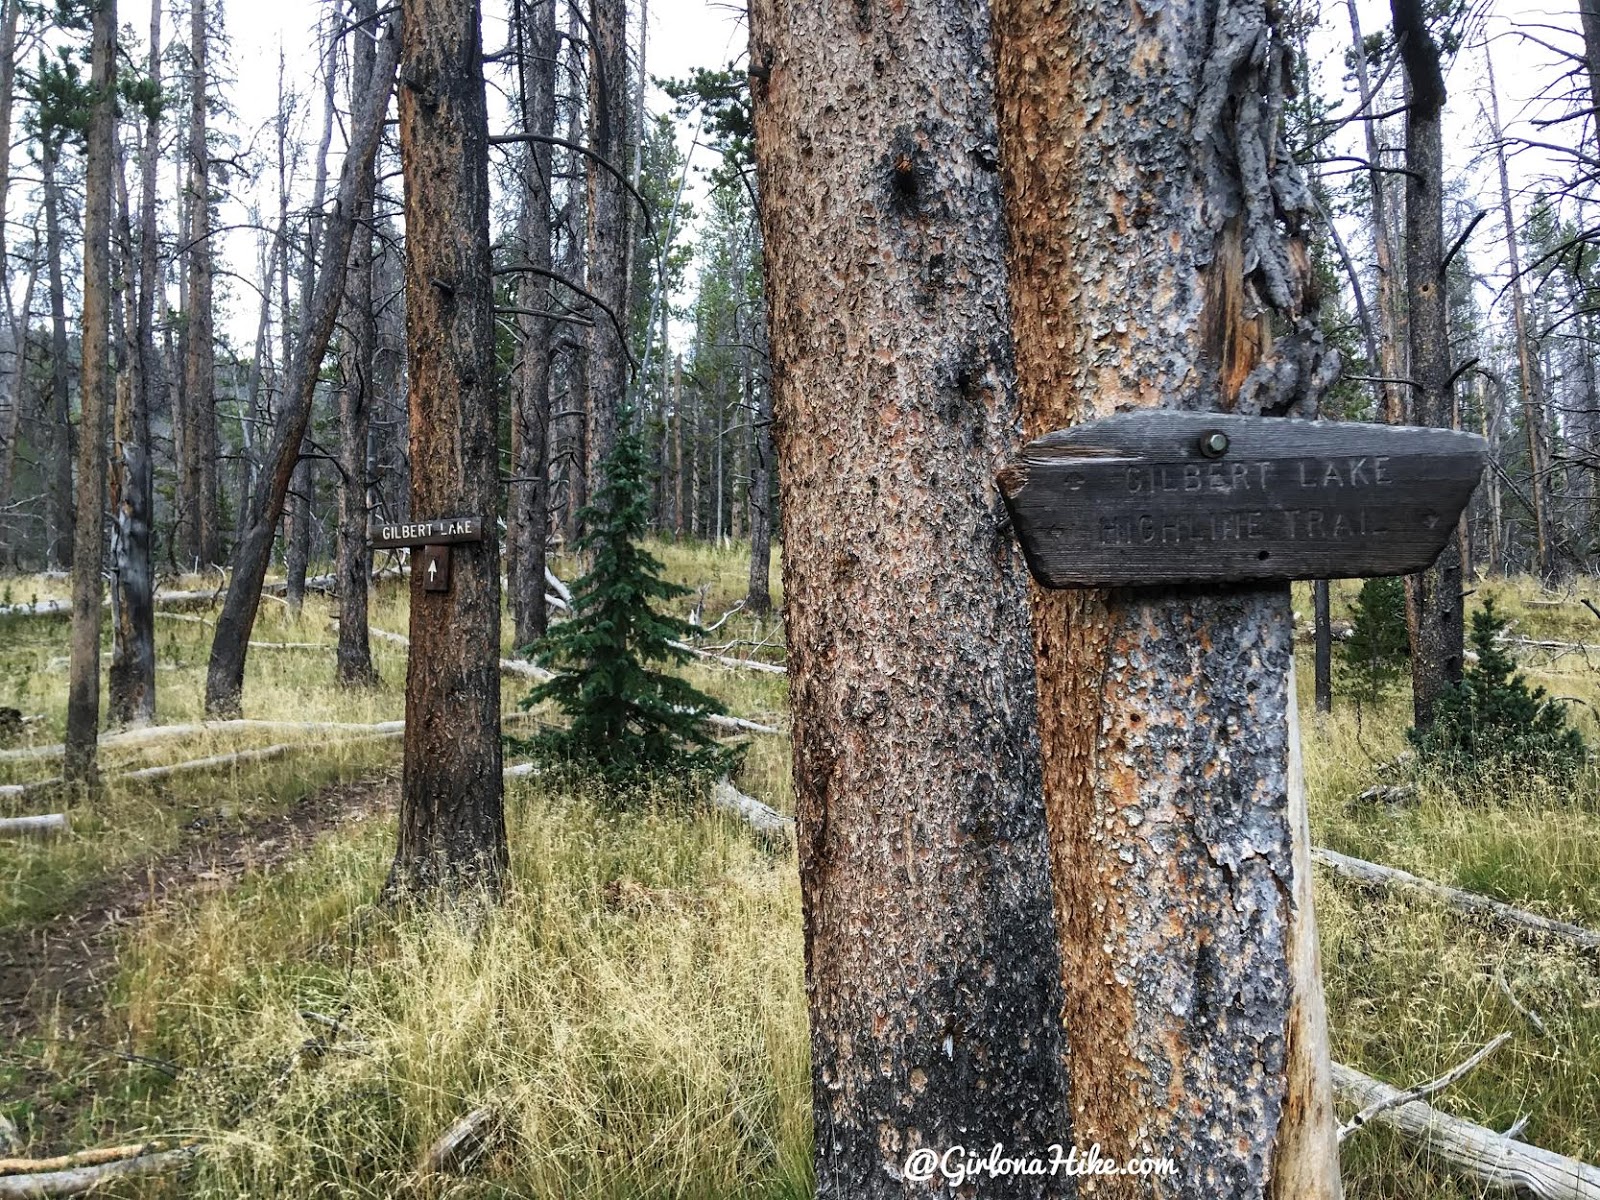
[626, 720]
[1379, 648]
[1492, 720]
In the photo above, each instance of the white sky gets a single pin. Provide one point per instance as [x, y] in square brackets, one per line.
[684, 34]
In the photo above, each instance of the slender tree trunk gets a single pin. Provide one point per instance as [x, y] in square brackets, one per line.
[1533, 400]
[1589, 16]
[1323, 634]
[83, 685]
[1433, 597]
[608, 234]
[199, 367]
[131, 682]
[452, 825]
[60, 538]
[229, 645]
[530, 493]
[353, 569]
[930, 964]
[15, 333]
[1391, 360]
[1144, 169]
[758, 594]
[297, 540]
[11, 416]
[679, 529]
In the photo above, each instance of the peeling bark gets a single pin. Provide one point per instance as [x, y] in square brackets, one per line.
[1156, 249]
[930, 964]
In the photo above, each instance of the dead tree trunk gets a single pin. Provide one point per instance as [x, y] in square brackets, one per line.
[1589, 16]
[15, 332]
[229, 645]
[1391, 361]
[1433, 598]
[353, 568]
[758, 592]
[199, 473]
[930, 963]
[83, 686]
[608, 234]
[529, 521]
[452, 826]
[1533, 401]
[1156, 223]
[131, 681]
[59, 540]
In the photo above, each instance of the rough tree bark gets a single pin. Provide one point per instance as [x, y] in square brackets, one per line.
[608, 233]
[230, 643]
[83, 684]
[1156, 223]
[452, 825]
[930, 964]
[59, 538]
[529, 521]
[131, 681]
[199, 468]
[353, 568]
[1433, 598]
[1589, 18]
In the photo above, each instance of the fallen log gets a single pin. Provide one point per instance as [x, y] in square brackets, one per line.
[158, 733]
[740, 724]
[79, 1158]
[62, 608]
[1377, 875]
[395, 729]
[1492, 1158]
[461, 1144]
[1423, 1091]
[75, 1181]
[749, 664]
[767, 821]
[46, 825]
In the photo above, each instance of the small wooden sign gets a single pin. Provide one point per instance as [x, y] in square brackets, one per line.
[1159, 497]
[435, 568]
[438, 532]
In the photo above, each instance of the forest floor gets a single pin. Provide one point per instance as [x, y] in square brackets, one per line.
[201, 955]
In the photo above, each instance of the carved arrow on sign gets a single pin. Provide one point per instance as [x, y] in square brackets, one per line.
[1159, 497]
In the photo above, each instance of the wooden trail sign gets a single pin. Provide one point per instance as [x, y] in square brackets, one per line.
[1159, 497]
[441, 532]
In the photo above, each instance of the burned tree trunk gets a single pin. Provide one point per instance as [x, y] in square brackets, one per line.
[1433, 597]
[529, 521]
[83, 686]
[930, 964]
[131, 681]
[59, 538]
[452, 827]
[229, 645]
[353, 569]
[199, 469]
[608, 233]
[1155, 223]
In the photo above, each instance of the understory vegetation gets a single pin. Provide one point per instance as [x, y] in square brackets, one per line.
[635, 1014]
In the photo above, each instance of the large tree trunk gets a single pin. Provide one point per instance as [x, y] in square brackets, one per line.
[199, 473]
[1433, 597]
[608, 232]
[452, 825]
[1589, 17]
[529, 521]
[59, 535]
[131, 682]
[83, 685]
[353, 569]
[1155, 220]
[229, 645]
[930, 963]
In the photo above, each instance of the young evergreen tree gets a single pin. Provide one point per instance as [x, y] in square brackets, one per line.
[625, 719]
[1492, 720]
[1378, 651]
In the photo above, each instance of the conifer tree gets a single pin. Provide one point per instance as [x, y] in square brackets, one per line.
[625, 718]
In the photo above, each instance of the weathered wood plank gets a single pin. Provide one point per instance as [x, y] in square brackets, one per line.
[1160, 497]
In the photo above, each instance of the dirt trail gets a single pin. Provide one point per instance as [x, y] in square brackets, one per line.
[60, 968]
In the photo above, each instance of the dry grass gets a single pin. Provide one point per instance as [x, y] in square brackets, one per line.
[636, 1010]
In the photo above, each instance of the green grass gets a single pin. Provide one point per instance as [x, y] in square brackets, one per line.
[636, 1009]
